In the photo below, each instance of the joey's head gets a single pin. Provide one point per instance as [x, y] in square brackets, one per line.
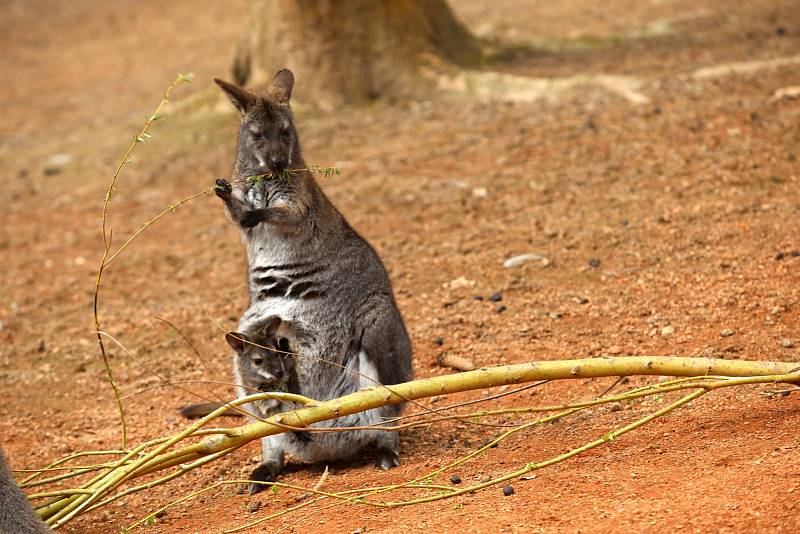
[262, 356]
[267, 137]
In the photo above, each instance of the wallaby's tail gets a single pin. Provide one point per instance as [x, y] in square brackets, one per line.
[196, 411]
[16, 514]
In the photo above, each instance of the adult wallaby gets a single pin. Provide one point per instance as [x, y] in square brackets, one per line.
[16, 514]
[307, 266]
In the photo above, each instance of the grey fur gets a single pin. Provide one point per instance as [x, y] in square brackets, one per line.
[16, 514]
[307, 266]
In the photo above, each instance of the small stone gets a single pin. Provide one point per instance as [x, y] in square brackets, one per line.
[438, 341]
[780, 255]
[554, 315]
[480, 192]
[40, 346]
[477, 297]
[254, 507]
[455, 479]
[516, 261]
[580, 300]
[667, 331]
[787, 343]
[615, 407]
[795, 253]
[60, 159]
[501, 308]
[458, 283]
[594, 263]
[728, 332]
[508, 490]
[51, 171]
[496, 297]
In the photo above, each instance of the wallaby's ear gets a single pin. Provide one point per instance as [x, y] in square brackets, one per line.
[242, 99]
[236, 340]
[281, 87]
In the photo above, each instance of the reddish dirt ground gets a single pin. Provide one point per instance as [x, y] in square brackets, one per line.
[678, 216]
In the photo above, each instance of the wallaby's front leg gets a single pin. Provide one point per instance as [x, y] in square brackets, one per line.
[280, 213]
[271, 463]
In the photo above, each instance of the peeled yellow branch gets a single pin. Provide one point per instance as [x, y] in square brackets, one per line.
[216, 445]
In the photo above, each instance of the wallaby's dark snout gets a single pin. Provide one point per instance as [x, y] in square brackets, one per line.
[277, 163]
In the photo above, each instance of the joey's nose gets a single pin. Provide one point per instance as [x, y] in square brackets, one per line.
[277, 163]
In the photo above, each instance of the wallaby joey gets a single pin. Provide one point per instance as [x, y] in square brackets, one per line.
[16, 514]
[307, 266]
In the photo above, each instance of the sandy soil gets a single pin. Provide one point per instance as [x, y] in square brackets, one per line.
[676, 217]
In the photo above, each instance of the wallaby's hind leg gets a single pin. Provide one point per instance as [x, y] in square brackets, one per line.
[386, 359]
[388, 443]
[271, 466]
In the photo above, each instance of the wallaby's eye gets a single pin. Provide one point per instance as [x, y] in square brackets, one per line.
[256, 135]
[286, 133]
[258, 361]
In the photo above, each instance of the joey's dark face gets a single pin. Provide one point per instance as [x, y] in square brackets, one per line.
[263, 363]
[267, 139]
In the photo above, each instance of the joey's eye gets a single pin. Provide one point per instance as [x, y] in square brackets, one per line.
[258, 361]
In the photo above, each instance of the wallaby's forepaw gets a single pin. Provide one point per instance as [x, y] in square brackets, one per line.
[265, 472]
[223, 188]
[387, 458]
[251, 218]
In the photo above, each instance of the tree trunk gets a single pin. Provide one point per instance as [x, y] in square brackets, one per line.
[352, 51]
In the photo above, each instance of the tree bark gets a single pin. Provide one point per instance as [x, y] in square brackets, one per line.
[352, 51]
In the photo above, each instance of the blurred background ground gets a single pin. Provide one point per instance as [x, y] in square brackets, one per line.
[667, 227]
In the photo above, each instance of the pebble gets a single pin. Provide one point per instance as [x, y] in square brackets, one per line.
[496, 297]
[667, 331]
[787, 343]
[455, 479]
[554, 315]
[254, 507]
[477, 297]
[728, 332]
[516, 261]
[508, 490]
[594, 263]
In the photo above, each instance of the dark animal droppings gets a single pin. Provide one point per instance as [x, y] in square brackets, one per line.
[508, 490]
[496, 297]
[501, 309]
[455, 479]
[594, 263]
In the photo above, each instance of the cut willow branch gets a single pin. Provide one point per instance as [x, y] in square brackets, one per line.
[141, 137]
[138, 462]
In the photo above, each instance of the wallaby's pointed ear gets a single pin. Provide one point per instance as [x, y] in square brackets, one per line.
[281, 87]
[236, 340]
[242, 99]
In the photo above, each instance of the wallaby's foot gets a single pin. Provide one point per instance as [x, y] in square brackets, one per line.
[387, 458]
[266, 472]
[223, 188]
[251, 218]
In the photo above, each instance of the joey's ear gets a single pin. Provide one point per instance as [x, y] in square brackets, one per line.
[242, 99]
[268, 326]
[281, 87]
[236, 340]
